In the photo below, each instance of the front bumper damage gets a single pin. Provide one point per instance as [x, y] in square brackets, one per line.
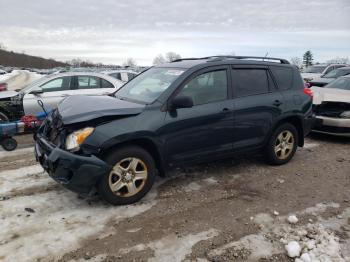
[332, 125]
[75, 172]
[329, 119]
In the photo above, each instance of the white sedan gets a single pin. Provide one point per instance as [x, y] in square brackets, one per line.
[51, 90]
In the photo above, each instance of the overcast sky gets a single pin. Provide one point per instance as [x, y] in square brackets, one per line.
[109, 31]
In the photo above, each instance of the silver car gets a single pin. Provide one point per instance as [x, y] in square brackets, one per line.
[51, 90]
[122, 75]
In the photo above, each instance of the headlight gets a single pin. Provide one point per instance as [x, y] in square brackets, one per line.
[74, 140]
[345, 114]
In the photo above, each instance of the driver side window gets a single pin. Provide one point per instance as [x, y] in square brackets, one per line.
[57, 84]
[207, 88]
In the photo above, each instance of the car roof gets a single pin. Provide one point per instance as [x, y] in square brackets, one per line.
[220, 60]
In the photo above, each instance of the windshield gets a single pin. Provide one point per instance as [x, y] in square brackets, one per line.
[314, 69]
[32, 84]
[340, 83]
[148, 86]
[336, 73]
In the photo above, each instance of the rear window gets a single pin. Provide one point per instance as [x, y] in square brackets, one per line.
[283, 77]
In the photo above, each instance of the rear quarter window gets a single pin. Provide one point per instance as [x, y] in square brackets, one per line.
[283, 77]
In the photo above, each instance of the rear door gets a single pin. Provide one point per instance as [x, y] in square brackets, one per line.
[91, 85]
[205, 129]
[257, 105]
[54, 91]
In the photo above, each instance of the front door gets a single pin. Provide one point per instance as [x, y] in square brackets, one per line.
[207, 127]
[54, 91]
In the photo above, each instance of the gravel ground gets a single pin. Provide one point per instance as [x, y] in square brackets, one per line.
[231, 210]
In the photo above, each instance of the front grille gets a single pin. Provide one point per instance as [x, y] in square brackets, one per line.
[331, 109]
[53, 127]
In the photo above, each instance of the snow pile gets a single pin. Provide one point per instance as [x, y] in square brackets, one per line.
[6, 77]
[310, 242]
[319, 244]
[172, 247]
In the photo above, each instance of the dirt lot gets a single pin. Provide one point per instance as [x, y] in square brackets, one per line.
[231, 210]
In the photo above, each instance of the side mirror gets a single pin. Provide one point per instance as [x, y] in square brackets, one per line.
[181, 102]
[36, 91]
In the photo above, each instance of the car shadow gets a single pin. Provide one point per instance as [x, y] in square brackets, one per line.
[329, 138]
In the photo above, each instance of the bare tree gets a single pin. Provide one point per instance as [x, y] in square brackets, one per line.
[172, 56]
[130, 62]
[159, 59]
[296, 61]
[339, 60]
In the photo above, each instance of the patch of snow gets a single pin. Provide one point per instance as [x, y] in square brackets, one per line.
[293, 249]
[258, 245]
[23, 178]
[316, 241]
[210, 181]
[193, 186]
[8, 76]
[59, 222]
[310, 145]
[172, 248]
[16, 152]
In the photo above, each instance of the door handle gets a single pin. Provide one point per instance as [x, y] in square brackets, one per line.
[225, 109]
[64, 95]
[277, 103]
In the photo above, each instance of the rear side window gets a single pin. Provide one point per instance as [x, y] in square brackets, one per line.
[88, 82]
[249, 82]
[283, 77]
[106, 84]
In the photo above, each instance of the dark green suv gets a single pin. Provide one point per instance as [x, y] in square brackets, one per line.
[187, 111]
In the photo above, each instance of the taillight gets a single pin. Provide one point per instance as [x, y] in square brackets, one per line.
[3, 87]
[308, 92]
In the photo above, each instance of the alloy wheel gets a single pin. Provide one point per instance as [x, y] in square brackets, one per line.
[128, 177]
[284, 144]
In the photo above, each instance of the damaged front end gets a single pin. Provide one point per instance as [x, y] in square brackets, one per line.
[332, 118]
[76, 171]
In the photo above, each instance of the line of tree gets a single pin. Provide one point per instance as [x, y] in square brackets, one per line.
[308, 60]
[10, 58]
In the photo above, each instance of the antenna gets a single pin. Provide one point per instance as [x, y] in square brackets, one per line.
[265, 55]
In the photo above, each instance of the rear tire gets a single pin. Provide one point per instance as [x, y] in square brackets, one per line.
[282, 144]
[9, 144]
[131, 178]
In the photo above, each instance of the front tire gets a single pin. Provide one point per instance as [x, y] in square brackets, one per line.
[131, 177]
[282, 144]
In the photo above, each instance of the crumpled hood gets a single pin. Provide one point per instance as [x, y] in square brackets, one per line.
[330, 95]
[76, 109]
[322, 80]
[8, 94]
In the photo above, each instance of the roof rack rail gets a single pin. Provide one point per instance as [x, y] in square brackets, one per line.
[220, 58]
[263, 58]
